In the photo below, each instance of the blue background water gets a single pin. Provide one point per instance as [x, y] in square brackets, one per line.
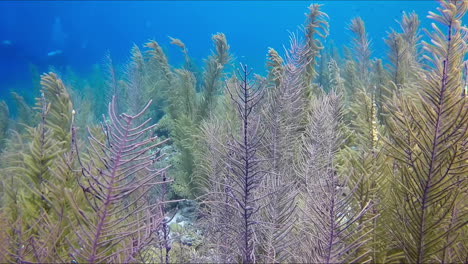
[85, 30]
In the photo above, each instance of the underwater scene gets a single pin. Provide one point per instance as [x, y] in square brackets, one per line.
[233, 132]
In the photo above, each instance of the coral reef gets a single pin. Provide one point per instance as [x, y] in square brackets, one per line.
[324, 159]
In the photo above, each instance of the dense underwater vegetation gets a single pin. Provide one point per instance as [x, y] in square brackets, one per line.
[333, 156]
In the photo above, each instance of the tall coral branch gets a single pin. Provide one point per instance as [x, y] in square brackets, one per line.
[331, 230]
[428, 145]
[115, 181]
[233, 198]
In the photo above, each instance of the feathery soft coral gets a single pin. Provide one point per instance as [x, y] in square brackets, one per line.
[119, 221]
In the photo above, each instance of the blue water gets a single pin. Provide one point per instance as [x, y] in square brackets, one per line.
[80, 32]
